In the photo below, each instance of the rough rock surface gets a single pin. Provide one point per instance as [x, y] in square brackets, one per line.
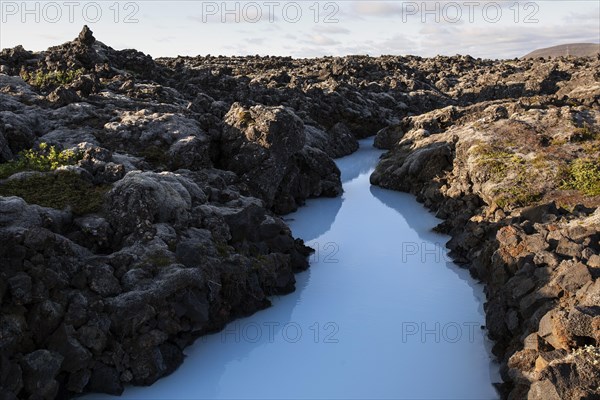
[266, 147]
[163, 225]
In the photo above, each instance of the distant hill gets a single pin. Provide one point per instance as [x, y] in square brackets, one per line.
[573, 49]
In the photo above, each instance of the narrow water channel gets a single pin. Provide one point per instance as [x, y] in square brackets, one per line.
[381, 314]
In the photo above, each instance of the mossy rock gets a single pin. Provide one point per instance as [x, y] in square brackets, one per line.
[44, 158]
[58, 190]
[160, 260]
[42, 78]
[155, 155]
[584, 175]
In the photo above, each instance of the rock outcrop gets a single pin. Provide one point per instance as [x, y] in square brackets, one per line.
[266, 147]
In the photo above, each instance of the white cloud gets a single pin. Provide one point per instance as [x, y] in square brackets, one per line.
[584, 17]
[166, 39]
[332, 29]
[397, 44]
[321, 40]
[257, 40]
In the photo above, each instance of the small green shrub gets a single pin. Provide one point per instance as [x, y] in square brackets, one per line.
[591, 147]
[583, 175]
[518, 196]
[45, 158]
[558, 142]
[54, 78]
[62, 190]
[540, 161]
[495, 161]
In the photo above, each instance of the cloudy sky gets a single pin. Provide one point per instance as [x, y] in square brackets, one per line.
[492, 29]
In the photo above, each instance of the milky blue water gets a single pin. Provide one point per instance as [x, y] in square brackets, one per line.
[381, 314]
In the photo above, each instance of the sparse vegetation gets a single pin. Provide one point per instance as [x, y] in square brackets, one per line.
[558, 142]
[160, 260]
[591, 147]
[518, 196]
[540, 161]
[584, 134]
[583, 175]
[60, 190]
[518, 173]
[155, 155]
[495, 160]
[54, 78]
[45, 158]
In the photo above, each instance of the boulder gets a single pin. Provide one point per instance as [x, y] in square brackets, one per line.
[552, 328]
[86, 36]
[314, 175]
[5, 152]
[571, 276]
[408, 171]
[389, 136]
[538, 213]
[105, 379]
[543, 390]
[75, 356]
[40, 369]
[17, 131]
[20, 288]
[191, 152]
[143, 198]
[258, 144]
[343, 142]
[580, 322]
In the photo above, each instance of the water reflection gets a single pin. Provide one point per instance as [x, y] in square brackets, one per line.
[313, 221]
[360, 162]
[412, 212]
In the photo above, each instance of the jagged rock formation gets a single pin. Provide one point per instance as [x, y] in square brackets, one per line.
[158, 221]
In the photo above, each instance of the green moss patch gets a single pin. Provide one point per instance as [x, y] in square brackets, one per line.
[155, 155]
[518, 197]
[521, 179]
[44, 158]
[160, 259]
[62, 190]
[53, 78]
[495, 161]
[583, 175]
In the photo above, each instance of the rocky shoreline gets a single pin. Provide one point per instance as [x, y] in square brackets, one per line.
[139, 200]
[504, 176]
